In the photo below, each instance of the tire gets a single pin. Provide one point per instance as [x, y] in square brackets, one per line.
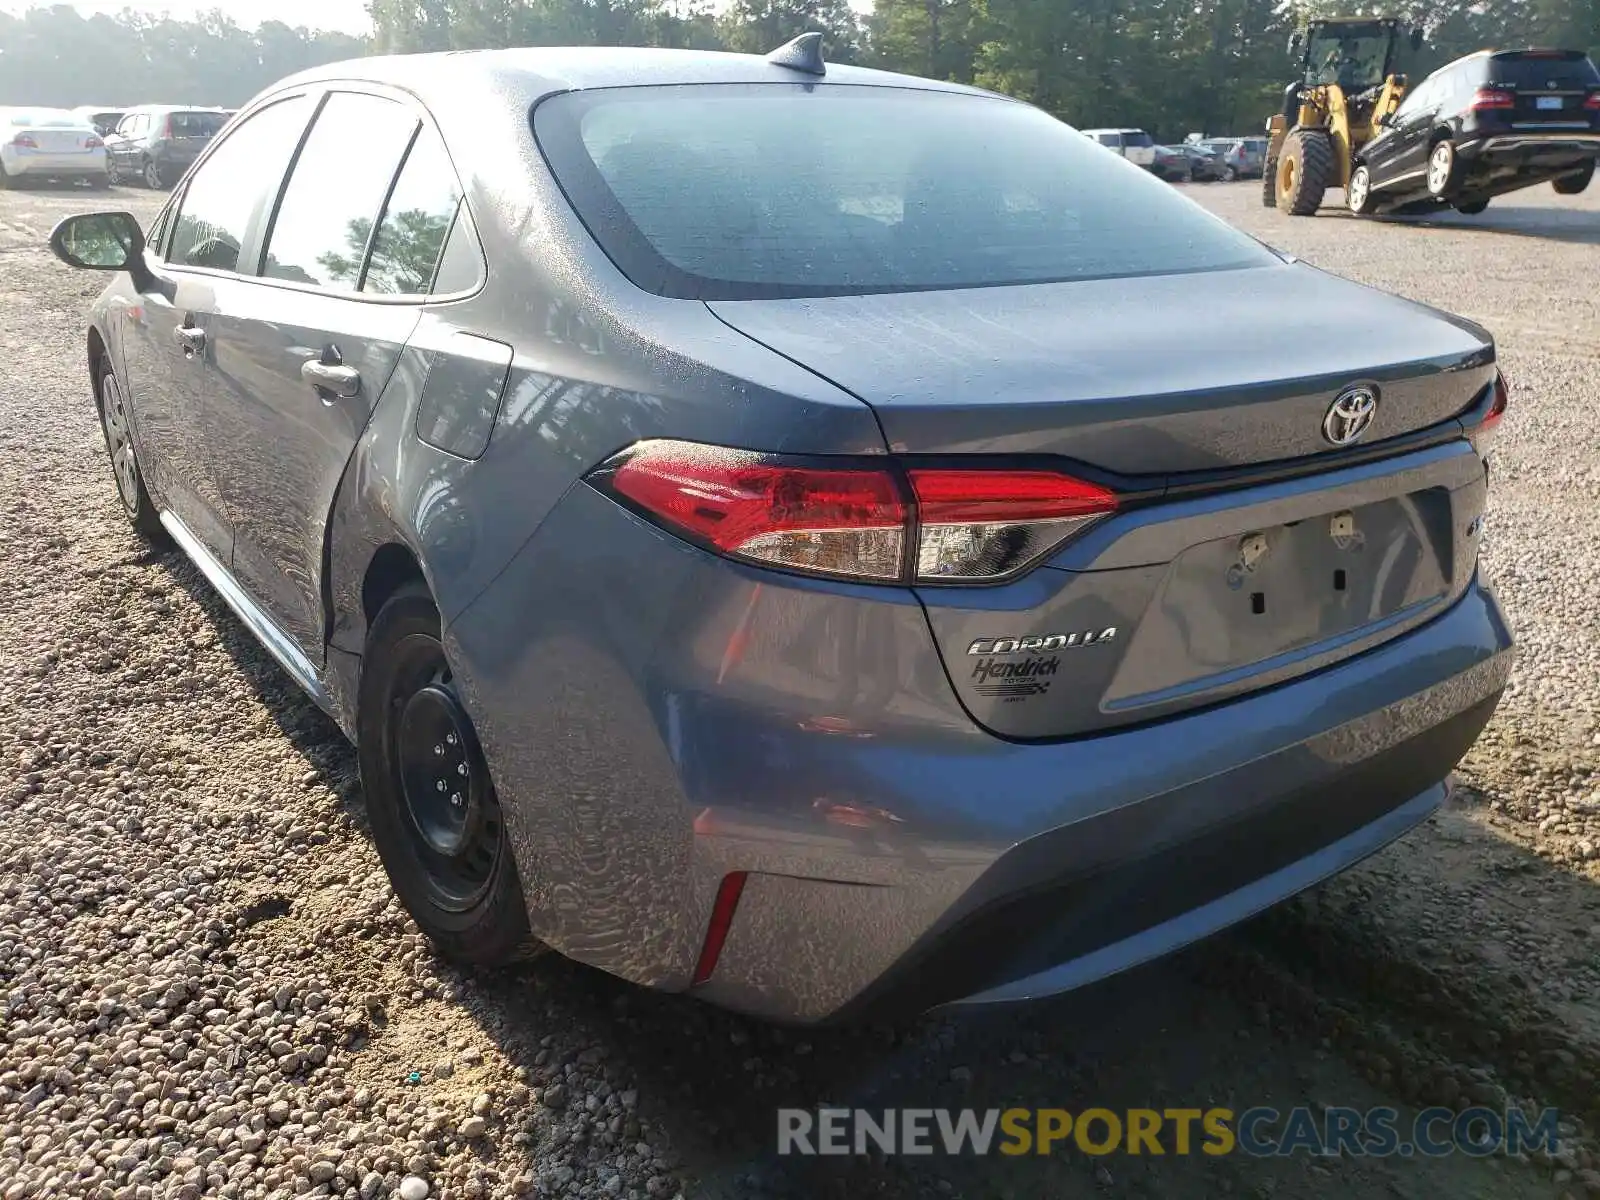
[99, 183]
[1471, 208]
[1358, 196]
[1305, 172]
[1229, 174]
[112, 404]
[1444, 169]
[1269, 184]
[1571, 185]
[113, 176]
[446, 850]
[153, 179]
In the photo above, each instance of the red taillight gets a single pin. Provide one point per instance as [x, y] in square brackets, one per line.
[166, 126]
[856, 519]
[1593, 102]
[1497, 409]
[25, 141]
[836, 521]
[1482, 434]
[92, 142]
[721, 921]
[978, 524]
[1486, 98]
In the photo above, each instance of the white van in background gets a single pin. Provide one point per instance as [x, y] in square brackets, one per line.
[1135, 145]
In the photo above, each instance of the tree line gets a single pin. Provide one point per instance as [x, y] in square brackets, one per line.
[1170, 66]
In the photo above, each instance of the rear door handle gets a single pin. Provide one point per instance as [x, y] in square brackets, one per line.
[335, 377]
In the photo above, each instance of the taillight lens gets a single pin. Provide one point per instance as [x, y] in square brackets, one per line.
[1482, 434]
[92, 142]
[833, 521]
[25, 141]
[979, 524]
[855, 520]
[1593, 102]
[1493, 98]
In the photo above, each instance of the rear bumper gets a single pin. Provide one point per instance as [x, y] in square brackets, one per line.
[656, 719]
[1532, 143]
[58, 165]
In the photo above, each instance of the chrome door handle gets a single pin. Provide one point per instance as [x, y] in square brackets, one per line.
[336, 378]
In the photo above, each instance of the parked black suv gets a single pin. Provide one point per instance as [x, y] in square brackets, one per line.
[156, 143]
[1490, 123]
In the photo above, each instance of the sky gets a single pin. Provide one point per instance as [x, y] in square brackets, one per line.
[347, 16]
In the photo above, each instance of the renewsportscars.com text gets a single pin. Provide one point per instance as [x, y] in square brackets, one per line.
[1259, 1132]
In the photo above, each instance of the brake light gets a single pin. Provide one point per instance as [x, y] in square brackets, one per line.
[1502, 400]
[860, 519]
[1593, 102]
[1487, 98]
[25, 141]
[978, 524]
[834, 521]
[1482, 434]
[92, 142]
[166, 126]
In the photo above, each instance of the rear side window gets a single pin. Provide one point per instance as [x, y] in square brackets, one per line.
[1539, 72]
[194, 124]
[1137, 138]
[768, 190]
[234, 184]
[336, 191]
[416, 222]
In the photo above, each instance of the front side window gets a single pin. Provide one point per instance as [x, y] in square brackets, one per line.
[416, 221]
[766, 190]
[233, 185]
[336, 191]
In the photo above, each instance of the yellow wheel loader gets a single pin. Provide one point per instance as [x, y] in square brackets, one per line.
[1348, 90]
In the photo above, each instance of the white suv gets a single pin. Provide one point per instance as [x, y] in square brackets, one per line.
[1135, 145]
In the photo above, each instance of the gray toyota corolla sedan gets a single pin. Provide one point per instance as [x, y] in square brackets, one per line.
[823, 540]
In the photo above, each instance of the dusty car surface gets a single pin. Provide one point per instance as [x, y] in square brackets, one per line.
[734, 507]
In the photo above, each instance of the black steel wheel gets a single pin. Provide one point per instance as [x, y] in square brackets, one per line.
[117, 425]
[435, 815]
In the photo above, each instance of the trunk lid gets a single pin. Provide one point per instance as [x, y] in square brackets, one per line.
[1204, 589]
[1145, 376]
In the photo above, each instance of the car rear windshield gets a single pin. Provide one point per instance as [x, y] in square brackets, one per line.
[1137, 138]
[770, 190]
[195, 124]
[1536, 71]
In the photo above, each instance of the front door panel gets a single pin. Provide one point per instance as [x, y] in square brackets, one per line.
[166, 360]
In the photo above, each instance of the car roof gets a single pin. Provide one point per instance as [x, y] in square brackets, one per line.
[1114, 129]
[154, 108]
[530, 73]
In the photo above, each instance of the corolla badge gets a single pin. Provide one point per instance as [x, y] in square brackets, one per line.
[1350, 415]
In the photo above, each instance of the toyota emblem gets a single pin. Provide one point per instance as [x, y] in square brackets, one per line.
[1350, 415]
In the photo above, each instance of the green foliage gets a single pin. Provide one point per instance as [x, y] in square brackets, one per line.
[54, 56]
[1170, 66]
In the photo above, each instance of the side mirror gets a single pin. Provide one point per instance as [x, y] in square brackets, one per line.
[107, 241]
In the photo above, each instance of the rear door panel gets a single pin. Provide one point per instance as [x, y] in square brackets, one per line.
[287, 443]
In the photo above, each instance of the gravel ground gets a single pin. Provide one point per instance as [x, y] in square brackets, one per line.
[209, 988]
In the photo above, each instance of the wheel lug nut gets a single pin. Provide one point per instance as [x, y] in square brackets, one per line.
[438, 749]
[439, 786]
[461, 768]
[451, 738]
[455, 799]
